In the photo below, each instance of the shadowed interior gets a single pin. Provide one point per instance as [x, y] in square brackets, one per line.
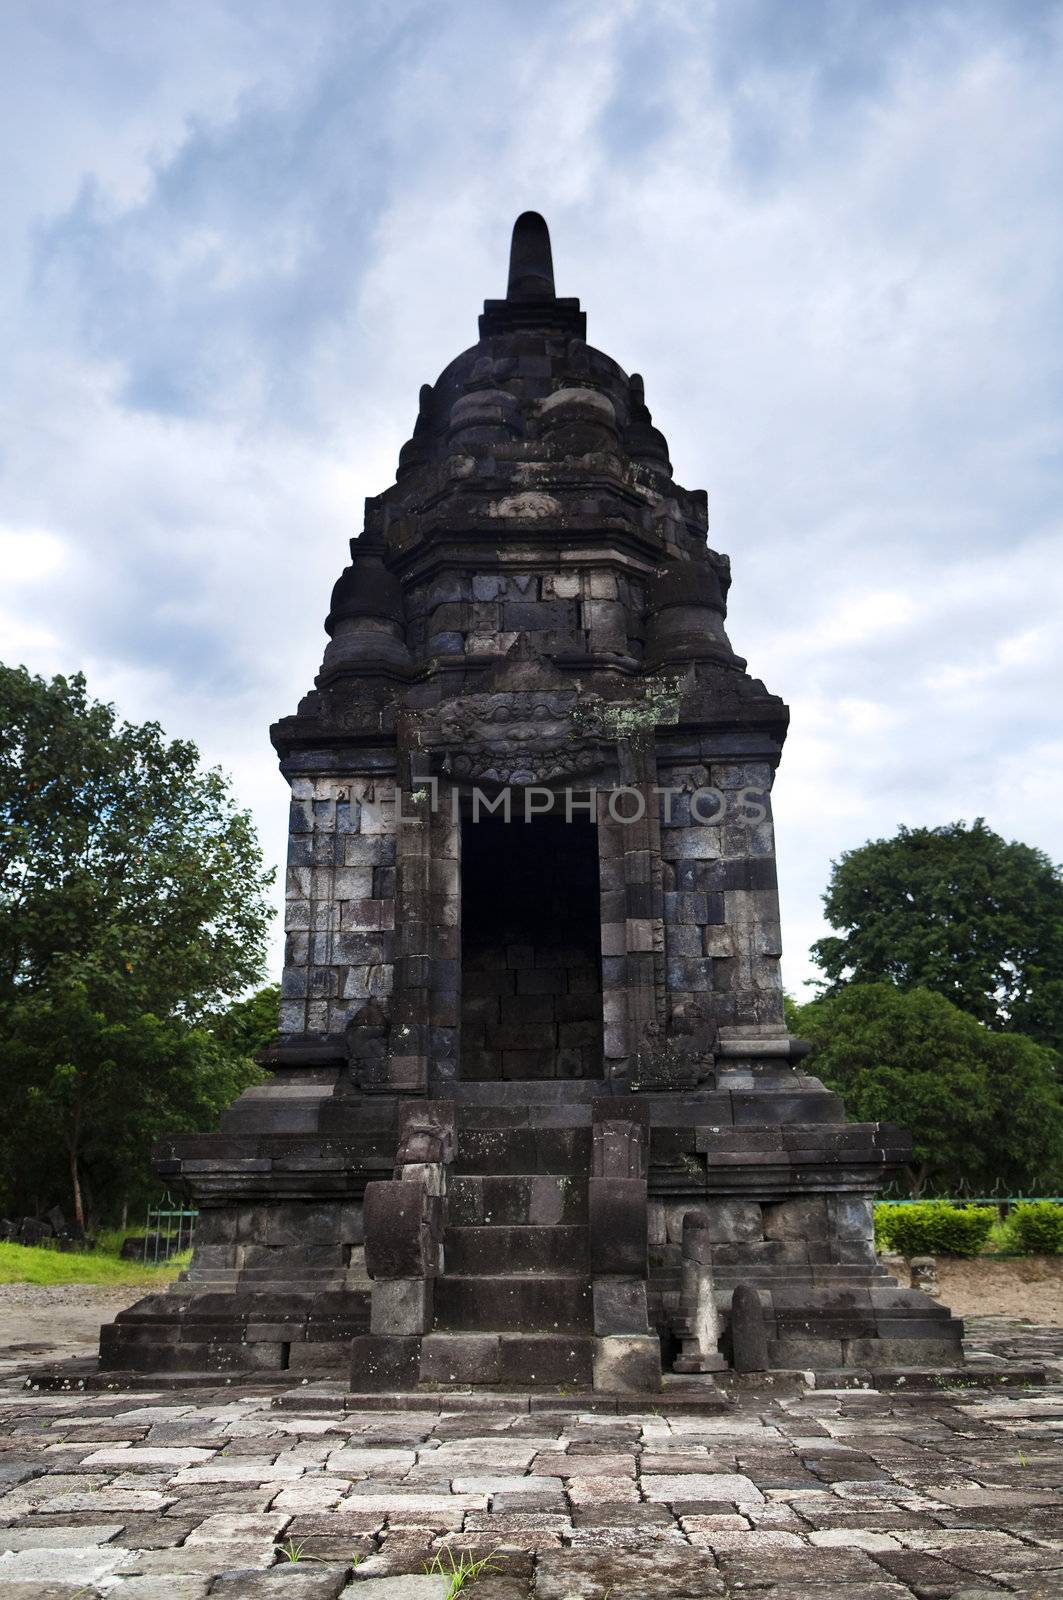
[531, 949]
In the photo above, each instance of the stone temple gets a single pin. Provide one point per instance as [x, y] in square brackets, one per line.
[534, 1117]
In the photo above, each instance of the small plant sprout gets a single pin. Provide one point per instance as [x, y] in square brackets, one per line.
[461, 1569]
[290, 1551]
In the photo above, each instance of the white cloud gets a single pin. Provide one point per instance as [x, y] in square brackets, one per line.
[28, 555]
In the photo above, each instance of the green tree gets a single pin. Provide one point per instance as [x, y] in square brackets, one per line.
[249, 1025]
[984, 1109]
[957, 910]
[132, 910]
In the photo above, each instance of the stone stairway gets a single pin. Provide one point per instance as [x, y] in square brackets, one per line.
[514, 1303]
[512, 1299]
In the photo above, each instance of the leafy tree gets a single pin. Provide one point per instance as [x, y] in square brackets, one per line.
[132, 910]
[985, 1110]
[249, 1025]
[957, 910]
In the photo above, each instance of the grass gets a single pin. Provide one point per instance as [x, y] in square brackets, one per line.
[31, 1264]
[290, 1551]
[461, 1569]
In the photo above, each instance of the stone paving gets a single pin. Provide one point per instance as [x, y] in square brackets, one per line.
[791, 1492]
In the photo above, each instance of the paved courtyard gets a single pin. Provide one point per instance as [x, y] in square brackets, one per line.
[859, 1495]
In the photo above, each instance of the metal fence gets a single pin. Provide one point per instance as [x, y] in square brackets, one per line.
[167, 1230]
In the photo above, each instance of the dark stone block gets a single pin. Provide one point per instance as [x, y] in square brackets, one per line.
[525, 1248]
[754, 873]
[460, 1358]
[547, 1360]
[402, 1223]
[618, 1226]
[789, 1109]
[554, 616]
[379, 1364]
[620, 1305]
[514, 1304]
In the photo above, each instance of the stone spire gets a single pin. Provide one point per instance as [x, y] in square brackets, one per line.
[531, 299]
[531, 262]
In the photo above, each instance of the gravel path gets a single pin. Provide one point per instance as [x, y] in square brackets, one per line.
[46, 1322]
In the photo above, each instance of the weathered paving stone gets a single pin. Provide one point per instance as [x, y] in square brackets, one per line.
[195, 1504]
[689, 1486]
[33, 1590]
[623, 1514]
[16, 1470]
[807, 1589]
[172, 1586]
[711, 1522]
[421, 1587]
[596, 1491]
[541, 1488]
[260, 1525]
[68, 1564]
[656, 1575]
[239, 1469]
[104, 1501]
[853, 1538]
[352, 1460]
[310, 1494]
[922, 1572]
[790, 1565]
[55, 1538]
[746, 1541]
[345, 1523]
[426, 1505]
[140, 1455]
[208, 1557]
[672, 1461]
[294, 1581]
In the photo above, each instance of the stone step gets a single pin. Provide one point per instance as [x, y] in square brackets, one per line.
[819, 1273]
[486, 1248]
[546, 1114]
[523, 1150]
[529, 1091]
[516, 1200]
[527, 1303]
[530, 1360]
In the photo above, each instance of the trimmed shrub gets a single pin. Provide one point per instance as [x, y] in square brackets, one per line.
[1036, 1228]
[934, 1228]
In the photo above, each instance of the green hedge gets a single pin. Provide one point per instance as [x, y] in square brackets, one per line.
[934, 1228]
[1036, 1228]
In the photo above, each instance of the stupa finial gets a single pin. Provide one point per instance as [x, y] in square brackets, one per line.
[531, 264]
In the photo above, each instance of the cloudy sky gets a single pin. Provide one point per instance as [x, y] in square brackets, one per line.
[238, 236]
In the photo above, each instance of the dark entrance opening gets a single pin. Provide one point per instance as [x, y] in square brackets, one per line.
[531, 971]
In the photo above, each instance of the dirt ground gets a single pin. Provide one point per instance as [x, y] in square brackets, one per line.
[1025, 1286]
[56, 1321]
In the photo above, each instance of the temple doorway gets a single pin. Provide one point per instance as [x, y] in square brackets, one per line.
[531, 978]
